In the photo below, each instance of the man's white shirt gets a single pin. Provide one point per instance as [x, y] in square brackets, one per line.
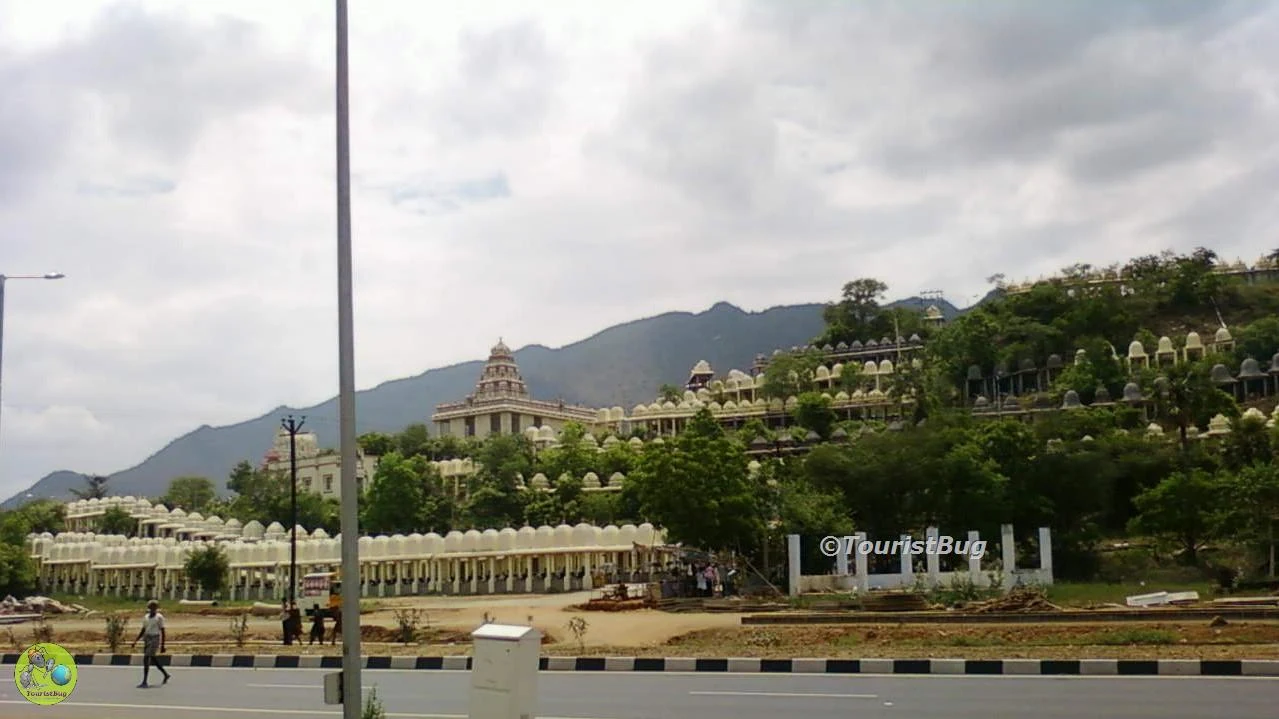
[152, 626]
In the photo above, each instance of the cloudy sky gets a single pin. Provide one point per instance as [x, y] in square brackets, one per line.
[541, 171]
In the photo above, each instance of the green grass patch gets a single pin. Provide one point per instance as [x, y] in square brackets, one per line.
[1130, 636]
[1081, 594]
[812, 601]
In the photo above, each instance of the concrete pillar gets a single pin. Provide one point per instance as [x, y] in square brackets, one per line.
[974, 561]
[588, 582]
[1008, 547]
[933, 559]
[907, 561]
[862, 562]
[1046, 555]
[841, 559]
[792, 563]
[492, 581]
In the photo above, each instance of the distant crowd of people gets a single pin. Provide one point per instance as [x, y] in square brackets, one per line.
[700, 579]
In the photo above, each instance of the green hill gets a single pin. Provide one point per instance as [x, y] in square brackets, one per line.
[621, 365]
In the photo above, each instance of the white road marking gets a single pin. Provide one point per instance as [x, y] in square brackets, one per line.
[789, 695]
[250, 710]
[769, 676]
[296, 686]
[237, 710]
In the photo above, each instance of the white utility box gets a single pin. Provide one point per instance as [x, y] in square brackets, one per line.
[333, 688]
[504, 671]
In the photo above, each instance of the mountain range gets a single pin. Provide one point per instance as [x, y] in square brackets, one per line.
[621, 366]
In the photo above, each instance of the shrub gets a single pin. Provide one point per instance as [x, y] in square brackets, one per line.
[208, 566]
[408, 623]
[240, 629]
[116, 624]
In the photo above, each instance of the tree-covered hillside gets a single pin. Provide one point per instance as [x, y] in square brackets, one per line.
[1179, 470]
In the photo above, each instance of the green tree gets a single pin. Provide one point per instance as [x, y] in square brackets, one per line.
[377, 444]
[800, 508]
[543, 509]
[264, 495]
[208, 566]
[415, 440]
[116, 520]
[395, 501]
[496, 500]
[193, 494]
[42, 515]
[95, 487]
[568, 492]
[1099, 368]
[791, 374]
[17, 571]
[855, 315]
[697, 487]
[571, 456]
[1181, 508]
[1258, 339]
[814, 412]
[1251, 509]
[1250, 442]
[1190, 398]
[247, 481]
[602, 508]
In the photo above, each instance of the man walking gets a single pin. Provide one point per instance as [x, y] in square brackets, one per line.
[153, 636]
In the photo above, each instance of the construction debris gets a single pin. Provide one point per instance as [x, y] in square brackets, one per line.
[1246, 601]
[614, 605]
[38, 605]
[619, 598]
[1158, 599]
[1023, 600]
[894, 602]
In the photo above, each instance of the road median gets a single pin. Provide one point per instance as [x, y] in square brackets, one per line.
[730, 665]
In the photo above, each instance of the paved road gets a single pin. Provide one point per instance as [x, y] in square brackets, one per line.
[108, 693]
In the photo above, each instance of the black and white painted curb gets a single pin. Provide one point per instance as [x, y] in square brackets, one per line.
[1022, 667]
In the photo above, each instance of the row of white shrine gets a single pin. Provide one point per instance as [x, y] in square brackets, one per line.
[542, 559]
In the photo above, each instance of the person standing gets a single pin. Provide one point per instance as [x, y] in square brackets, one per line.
[337, 626]
[317, 625]
[285, 622]
[153, 639]
[295, 622]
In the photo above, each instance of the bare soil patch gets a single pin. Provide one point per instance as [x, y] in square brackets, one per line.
[446, 623]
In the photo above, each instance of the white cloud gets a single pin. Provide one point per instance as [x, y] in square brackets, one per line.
[553, 170]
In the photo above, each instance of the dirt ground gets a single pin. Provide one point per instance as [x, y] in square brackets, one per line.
[445, 624]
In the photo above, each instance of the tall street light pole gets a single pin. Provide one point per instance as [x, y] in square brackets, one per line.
[293, 426]
[4, 279]
[352, 696]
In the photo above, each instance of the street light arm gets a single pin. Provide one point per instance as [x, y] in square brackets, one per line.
[45, 276]
[4, 279]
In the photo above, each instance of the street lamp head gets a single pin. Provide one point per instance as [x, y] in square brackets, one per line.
[53, 275]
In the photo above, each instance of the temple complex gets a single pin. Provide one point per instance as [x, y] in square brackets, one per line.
[1265, 269]
[528, 559]
[501, 404]
[318, 469]
[861, 380]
